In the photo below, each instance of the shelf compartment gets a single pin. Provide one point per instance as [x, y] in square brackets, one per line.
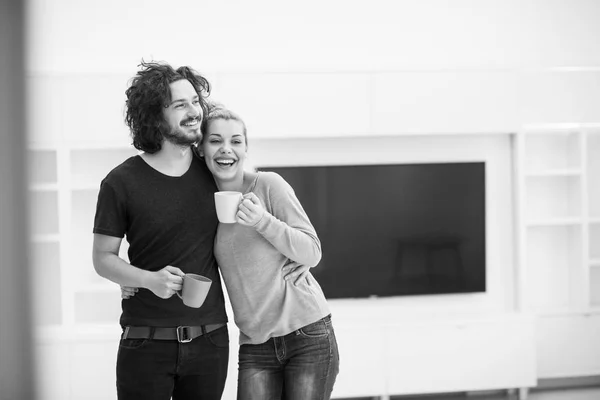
[549, 198]
[593, 168]
[89, 166]
[43, 212]
[595, 287]
[42, 167]
[46, 283]
[594, 243]
[552, 151]
[83, 210]
[102, 306]
[552, 255]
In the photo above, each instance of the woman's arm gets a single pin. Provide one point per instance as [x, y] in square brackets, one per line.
[286, 227]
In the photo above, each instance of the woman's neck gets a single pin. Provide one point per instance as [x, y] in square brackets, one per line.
[239, 184]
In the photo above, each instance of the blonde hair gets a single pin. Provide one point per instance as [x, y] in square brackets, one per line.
[218, 111]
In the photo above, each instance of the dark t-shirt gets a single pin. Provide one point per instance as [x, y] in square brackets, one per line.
[167, 221]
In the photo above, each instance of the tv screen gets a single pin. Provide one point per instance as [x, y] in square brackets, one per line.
[395, 230]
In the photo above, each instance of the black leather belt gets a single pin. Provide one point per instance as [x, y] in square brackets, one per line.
[183, 334]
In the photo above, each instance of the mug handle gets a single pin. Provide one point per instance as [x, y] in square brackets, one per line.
[180, 292]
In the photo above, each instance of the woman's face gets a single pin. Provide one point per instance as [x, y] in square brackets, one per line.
[224, 149]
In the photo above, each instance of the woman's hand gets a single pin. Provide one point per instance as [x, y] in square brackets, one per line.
[250, 211]
[294, 272]
[128, 292]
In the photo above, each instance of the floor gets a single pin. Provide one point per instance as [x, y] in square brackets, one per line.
[579, 393]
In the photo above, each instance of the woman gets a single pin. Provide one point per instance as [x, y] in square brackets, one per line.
[287, 343]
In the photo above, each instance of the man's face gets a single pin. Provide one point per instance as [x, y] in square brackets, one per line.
[183, 115]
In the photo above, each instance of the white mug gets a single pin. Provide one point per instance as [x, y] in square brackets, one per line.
[227, 203]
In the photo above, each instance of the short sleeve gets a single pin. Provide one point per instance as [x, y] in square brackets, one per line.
[111, 215]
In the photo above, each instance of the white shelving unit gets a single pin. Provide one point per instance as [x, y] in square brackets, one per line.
[558, 186]
[63, 186]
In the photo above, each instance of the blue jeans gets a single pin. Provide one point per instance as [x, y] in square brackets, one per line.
[150, 369]
[301, 365]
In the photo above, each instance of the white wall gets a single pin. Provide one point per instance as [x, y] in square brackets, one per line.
[346, 70]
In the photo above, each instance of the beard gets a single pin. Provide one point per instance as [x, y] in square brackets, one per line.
[182, 137]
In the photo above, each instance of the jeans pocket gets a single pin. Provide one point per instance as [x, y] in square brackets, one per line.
[132, 344]
[219, 337]
[315, 330]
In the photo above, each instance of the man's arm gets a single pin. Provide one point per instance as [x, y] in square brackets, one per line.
[107, 263]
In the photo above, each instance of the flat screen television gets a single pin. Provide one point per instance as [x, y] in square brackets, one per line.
[396, 230]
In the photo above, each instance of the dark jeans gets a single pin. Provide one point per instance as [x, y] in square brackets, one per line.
[302, 365]
[158, 369]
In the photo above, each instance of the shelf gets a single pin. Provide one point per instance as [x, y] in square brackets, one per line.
[46, 278]
[48, 238]
[98, 303]
[43, 213]
[42, 167]
[558, 128]
[553, 151]
[558, 197]
[560, 188]
[89, 166]
[549, 173]
[593, 173]
[551, 256]
[594, 243]
[554, 222]
[101, 286]
[43, 187]
[595, 287]
[95, 187]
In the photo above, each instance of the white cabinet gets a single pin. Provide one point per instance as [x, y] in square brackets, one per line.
[435, 355]
[558, 175]
[362, 349]
[570, 346]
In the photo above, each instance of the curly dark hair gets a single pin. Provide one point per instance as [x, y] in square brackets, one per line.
[147, 95]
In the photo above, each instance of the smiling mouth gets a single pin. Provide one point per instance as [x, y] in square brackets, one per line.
[225, 163]
[190, 123]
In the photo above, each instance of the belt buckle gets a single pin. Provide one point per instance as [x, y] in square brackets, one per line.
[183, 334]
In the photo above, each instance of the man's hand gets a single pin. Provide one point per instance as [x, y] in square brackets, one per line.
[165, 282]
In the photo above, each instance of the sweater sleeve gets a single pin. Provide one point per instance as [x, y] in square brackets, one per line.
[285, 224]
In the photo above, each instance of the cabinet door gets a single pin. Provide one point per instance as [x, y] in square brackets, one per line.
[568, 346]
[362, 355]
[450, 357]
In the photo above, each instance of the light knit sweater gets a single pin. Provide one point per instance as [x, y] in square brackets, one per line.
[251, 261]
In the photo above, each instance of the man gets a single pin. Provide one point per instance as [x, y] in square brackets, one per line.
[162, 201]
